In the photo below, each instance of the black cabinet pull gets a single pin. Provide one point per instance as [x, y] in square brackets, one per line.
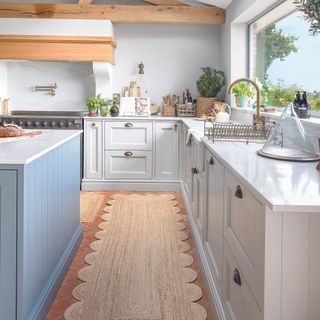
[237, 277]
[238, 192]
[194, 170]
[128, 154]
[211, 161]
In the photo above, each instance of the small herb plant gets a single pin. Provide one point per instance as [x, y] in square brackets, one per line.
[210, 82]
[243, 89]
[96, 102]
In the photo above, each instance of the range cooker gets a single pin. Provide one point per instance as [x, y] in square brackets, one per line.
[63, 120]
[54, 120]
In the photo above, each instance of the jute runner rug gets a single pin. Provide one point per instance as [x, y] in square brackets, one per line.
[90, 204]
[140, 269]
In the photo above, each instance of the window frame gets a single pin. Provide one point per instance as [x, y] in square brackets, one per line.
[315, 114]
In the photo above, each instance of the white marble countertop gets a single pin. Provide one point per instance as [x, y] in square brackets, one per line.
[281, 185]
[28, 149]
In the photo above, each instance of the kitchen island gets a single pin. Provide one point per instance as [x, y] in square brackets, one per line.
[40, 226]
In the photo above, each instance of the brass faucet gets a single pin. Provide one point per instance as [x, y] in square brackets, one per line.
[257, 119]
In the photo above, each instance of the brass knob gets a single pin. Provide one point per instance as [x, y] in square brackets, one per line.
[128, 154]
[128, 125]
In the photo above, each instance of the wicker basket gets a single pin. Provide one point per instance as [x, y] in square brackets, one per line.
[186, 110]
[168, 111]
[204, 105]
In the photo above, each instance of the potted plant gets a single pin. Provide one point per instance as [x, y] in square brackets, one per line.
[95, 103]
[243, 91]
[209, 85]
[114, 110]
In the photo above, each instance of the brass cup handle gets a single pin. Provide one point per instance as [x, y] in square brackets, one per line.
[128, 154]
[128, 125]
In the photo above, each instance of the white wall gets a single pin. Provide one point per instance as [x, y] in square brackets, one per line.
[3, 80]
[172, 55]
[75, 83]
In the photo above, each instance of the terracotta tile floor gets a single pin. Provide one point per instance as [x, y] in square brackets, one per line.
[64, 296]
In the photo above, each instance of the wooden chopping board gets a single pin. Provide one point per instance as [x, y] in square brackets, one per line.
[25, 135]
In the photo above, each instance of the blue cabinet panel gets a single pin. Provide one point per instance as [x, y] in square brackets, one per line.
[8, 219]
[39, 230]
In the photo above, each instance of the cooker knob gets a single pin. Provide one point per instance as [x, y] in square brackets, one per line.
[37, 123]
[20, 123]
[45, 123]
[29, 123]
[69, 124]
[52, 124]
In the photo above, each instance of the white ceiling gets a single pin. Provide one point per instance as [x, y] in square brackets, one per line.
[218, 3]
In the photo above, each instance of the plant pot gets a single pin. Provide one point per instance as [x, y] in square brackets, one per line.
[93, 112]
[114, 111]
[204, 105]
[243, 102]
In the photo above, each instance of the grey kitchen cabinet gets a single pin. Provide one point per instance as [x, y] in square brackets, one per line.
[213, 220]
[93, 151]
[167, 150]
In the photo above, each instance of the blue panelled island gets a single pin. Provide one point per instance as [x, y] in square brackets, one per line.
[40, 226]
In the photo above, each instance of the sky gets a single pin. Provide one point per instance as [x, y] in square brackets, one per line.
[301, 68]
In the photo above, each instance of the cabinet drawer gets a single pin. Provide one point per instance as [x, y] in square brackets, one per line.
[121, 164]
[123, 135]
[238, 301]
[244, 233]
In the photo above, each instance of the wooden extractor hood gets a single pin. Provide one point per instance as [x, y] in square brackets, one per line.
[57, 48]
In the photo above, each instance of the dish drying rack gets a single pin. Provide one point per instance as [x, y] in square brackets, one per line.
[219, 131]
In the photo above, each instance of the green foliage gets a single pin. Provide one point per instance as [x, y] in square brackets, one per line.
[272, 44]
[243, 89]
[314, 99]
[210, 82]
[311, 11]
[280, 95]
[96, 102]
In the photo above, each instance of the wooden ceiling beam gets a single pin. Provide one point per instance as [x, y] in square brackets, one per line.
[166, 2]
[85, 1]
[116, 13]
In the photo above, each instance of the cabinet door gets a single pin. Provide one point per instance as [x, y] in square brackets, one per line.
[128, 135]
[197, 203]
[167, 151]
[8, 225]
[213, 221]
[238, 301]
[93, 149]
[188, 170]
[244, 232]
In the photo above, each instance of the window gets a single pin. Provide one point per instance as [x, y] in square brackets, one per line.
[284, 56]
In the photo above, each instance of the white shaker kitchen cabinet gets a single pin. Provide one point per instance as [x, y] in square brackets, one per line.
[167, 150]
[121, 164]
[213, 217]
[238, 301]
[93, 150]
[186, 157]
[244, 232]
[128, 135]
[197, 186]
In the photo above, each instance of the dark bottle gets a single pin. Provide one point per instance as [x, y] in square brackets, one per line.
[305, 110]
[296, 103]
